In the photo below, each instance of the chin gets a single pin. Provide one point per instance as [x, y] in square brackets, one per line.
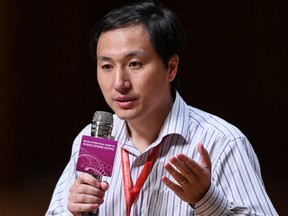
[125, 114]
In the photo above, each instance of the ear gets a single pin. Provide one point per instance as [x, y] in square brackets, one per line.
[173, 67]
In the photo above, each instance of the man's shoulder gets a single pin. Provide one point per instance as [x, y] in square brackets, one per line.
[212, 122]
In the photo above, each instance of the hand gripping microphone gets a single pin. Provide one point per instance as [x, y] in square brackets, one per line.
[97, 152]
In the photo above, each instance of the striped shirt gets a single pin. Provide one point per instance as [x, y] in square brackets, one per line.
[236, 187]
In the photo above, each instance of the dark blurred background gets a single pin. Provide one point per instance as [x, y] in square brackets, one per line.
[235, 67]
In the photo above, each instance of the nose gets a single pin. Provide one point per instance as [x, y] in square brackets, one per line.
[121, 80]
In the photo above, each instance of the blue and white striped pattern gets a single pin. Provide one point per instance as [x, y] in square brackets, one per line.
[237, 187]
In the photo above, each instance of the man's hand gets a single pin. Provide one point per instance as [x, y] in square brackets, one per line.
[193, 179]
[86, 194]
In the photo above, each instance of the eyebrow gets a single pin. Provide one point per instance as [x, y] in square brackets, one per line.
[128, 55]
[103, 58]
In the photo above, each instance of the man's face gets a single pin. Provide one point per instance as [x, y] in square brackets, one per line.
[132, 77]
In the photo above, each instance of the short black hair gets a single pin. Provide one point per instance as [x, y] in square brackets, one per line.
[164, 28]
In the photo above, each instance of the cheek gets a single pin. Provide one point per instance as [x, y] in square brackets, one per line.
[159, 82]
[151, 89]
[100, 82]
[103, 82]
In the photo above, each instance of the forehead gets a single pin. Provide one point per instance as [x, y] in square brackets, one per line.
[130, 32]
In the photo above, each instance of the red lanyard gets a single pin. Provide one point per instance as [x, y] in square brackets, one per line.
[131, 193]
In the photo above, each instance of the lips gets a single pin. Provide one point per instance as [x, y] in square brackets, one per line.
[125, 102]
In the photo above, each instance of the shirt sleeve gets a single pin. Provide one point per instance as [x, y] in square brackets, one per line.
[236, 187]
[59, 200]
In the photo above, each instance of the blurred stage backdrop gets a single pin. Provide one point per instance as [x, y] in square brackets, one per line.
[235, 67]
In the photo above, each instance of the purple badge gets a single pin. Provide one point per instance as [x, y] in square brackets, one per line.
[96, 156]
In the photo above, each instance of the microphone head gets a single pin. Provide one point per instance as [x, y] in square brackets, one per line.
[102, 124]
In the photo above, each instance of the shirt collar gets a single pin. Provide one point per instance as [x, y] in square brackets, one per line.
[177, 120]
[175, 123]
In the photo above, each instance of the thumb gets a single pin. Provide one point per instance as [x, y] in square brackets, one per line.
[104, 185]
[204, 156]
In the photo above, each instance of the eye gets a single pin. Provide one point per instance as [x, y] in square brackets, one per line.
[135, 64]
[106, 67]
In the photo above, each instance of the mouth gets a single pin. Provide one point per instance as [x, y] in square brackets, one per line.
[125, 102]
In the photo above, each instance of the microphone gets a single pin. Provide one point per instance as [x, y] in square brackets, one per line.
[97, 152]
[102, 124]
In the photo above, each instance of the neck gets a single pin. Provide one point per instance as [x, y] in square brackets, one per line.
[143, 133]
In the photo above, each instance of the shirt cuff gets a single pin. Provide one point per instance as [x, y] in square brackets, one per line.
[213, 203]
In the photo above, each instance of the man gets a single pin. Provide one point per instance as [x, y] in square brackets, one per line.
[138, 50]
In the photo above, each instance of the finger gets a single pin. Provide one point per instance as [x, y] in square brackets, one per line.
[85, 178]
[198, 169]
[173, 172]
[81, 207]
[175, 187]
[88, 199]
[185, 165]
[204, 156]
[89, 190]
